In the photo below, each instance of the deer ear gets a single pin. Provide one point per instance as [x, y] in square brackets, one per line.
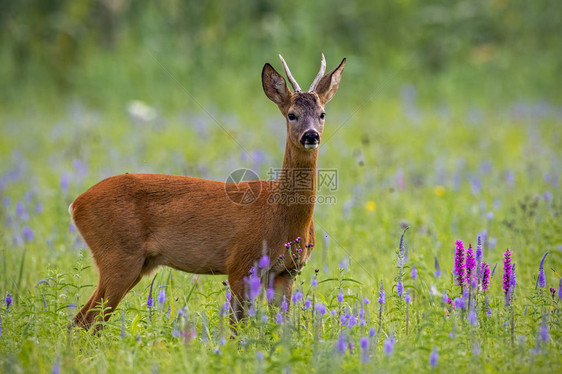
[328, 85]
[274, 85]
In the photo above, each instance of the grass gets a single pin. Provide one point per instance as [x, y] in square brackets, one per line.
[447, 171]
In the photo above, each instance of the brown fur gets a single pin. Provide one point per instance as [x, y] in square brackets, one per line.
[134, 223]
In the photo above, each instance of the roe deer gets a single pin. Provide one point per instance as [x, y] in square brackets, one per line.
[133, 223]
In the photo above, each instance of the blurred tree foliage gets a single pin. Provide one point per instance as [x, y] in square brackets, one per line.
[104, 49]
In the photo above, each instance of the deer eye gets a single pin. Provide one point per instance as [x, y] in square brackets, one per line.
[291, 117]
[322, 116]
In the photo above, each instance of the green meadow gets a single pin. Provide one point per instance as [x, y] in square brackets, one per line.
[446, 126]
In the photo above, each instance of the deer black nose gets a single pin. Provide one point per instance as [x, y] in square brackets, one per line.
[310, 139]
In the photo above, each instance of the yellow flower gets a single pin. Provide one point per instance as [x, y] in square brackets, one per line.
[371, 206]
[439, 190]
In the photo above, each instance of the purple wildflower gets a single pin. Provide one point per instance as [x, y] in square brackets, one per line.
[414, 274]
[307, 303]
[366, 301]
[270, 294]
[342, 344]
[543, 334]
[459, 302]
[459, 262]
[400, 287]
[485, 269]
[9, 300]
[364, 344]
[340, 296]
[314, 281]
[162, 296]
[560, 289]
[297, 296]
[381, 299]
[20, 209]
[407, 297]
[55, 369]
[64, 182]
[470, 265]
[27, 234]
[320, 309]
[254, 285]
[372, 332]
[437, 268]
[472, 318]
[284, 305]
[507, 270]
[259, 355]
[150, 301]
[433, 358]
[279, 318]
[388, 346]
[542, 279]
[263, 262]
[479, 249]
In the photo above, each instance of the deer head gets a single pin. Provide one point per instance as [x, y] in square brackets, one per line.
[303, 111]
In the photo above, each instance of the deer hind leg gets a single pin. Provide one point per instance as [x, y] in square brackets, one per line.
[283, 287]
[117, 277]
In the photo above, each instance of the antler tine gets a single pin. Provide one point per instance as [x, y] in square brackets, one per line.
[319, 76]
[290, 76]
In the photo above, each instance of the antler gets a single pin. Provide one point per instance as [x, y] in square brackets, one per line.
[319, 76]
[294, 83]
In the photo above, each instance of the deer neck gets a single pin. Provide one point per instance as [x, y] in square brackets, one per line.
[297, 181]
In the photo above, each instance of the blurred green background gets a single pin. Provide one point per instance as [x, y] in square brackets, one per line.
[108, 52]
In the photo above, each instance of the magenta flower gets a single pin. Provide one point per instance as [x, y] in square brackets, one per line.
[507, 270]
[470, 265]
[485, 269]
[459, 262]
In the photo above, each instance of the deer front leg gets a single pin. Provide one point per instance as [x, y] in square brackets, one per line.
[237, 299]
